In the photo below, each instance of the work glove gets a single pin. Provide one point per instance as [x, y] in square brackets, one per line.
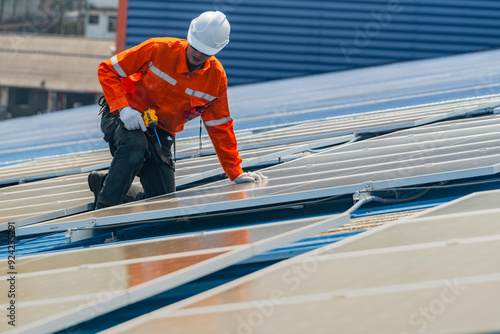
[132, 119]
[250, 177]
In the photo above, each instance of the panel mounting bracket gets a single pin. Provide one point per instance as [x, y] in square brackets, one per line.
[368, 186]
[77, 234]
[362, 196]
[364, 193]
[91, 223]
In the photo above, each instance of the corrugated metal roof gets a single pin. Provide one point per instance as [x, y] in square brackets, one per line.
[52, 63]
[282, 38]
[465, 77]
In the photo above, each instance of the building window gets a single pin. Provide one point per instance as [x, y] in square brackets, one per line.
[112, 24]
[22, 96]
[93, 19]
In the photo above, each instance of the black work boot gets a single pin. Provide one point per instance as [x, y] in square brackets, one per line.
[96, 182]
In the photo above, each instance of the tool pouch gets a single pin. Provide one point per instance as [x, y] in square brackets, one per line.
[103, 104]
[192, 113]
[107, 124]
[163, 154]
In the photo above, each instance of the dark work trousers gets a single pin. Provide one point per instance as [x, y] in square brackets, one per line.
[134, 154]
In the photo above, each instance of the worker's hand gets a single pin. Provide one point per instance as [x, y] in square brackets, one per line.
[132, 119]
[250, 177]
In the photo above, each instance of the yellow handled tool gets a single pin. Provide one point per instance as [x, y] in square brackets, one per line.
[151, 121]
[150, 118]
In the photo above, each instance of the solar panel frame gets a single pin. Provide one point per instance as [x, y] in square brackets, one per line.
[265, 239]
[416, 282]
[315, 183]
[423, 114]
[45, 215]
[65, 204]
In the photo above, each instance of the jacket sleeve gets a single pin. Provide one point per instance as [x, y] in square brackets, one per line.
[115, 71]
[219, 125]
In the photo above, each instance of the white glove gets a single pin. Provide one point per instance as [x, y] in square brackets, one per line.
[132, 119]
[250, 177]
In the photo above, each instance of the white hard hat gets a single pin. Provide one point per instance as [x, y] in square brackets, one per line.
[209, 32]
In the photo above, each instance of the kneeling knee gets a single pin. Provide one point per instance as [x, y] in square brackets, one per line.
[136, 149]
[138, 153]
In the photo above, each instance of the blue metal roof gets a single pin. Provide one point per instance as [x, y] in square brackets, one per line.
[300, 99]
[280, 39]
[279, 102]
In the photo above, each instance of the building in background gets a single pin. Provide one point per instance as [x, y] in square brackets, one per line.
[280, 39]
[40, 16]
[100, 19]
[37, 16]
[48, 73]
[277, 39]
[50, 53]
[89, 18]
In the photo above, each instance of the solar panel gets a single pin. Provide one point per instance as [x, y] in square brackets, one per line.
[47, 168]
[385, 120]
[475, 202]
[437, 272]
[35, 202]
[82, 163]
[370, 122]
[280, 102]
[75, 200]
[433, 153]
[419, 158]
[59, 290]
[50, 134]
[204, 167]
[253, 158]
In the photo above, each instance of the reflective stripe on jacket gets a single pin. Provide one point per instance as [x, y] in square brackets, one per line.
[155, 75]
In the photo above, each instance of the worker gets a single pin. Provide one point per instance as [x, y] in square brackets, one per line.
[175, 77]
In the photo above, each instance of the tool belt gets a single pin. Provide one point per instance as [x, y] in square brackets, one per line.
[103, 104]
[152, 142]
[159, 152]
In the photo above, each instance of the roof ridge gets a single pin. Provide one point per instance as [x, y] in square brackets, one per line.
[57, 53]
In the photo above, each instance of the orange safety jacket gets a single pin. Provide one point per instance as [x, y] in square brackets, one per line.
[154, 74]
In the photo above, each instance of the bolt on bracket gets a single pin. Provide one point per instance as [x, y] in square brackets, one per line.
[91, 223]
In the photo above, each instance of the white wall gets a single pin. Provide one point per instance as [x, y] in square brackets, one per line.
[107, 4]
[101, 28]
[105, 10]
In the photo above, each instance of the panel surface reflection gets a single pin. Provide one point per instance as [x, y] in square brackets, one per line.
[71, 280]
[340, 171]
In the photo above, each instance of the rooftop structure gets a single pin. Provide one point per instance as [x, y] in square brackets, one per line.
[411, 137]
[48, 73]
